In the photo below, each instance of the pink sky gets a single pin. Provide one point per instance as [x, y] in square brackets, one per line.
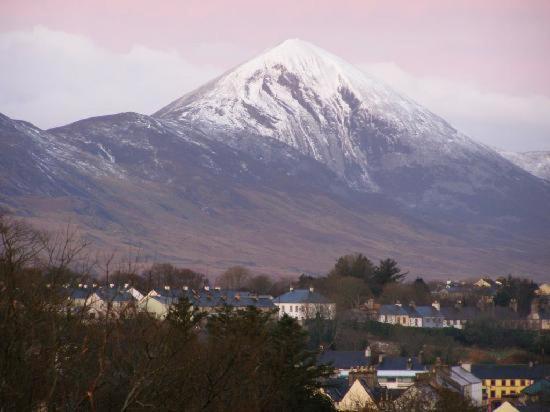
[499, 50]
[502, 45]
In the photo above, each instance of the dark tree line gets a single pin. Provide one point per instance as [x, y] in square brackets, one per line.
[53, 357]
[353, 279]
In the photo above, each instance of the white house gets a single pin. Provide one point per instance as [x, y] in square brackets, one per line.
[459, 379]
[110, 301]
[304, 304]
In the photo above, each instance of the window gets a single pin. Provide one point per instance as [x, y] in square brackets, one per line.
[493, 394]
[513, 382]
[493, 382]
[523, 382]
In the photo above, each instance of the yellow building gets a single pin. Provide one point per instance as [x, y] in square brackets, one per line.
[506, 381]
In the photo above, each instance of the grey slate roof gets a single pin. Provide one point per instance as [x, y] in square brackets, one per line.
[343, 359]
[427, 312]
[215, 298]
[337, 388]
[392, 363]
[394, 310]
[539, 387]
[301, 296]
[80, 293]
[114, 295]
[492, 371]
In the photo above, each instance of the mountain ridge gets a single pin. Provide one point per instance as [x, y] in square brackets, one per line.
[209, 181]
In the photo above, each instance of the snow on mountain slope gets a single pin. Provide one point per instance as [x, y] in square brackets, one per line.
[372, 137]
[36, 161]
[536, 163]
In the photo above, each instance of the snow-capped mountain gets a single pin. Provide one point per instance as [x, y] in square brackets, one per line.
[283, 164]
[537, 163]
[375, 139]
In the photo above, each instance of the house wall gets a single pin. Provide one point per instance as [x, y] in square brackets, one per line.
[497, 388]
[356, 399]
[302, 311]
[394, 319]
[154, 307]
[396, 379]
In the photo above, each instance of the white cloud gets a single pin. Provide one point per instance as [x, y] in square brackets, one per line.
[518, 123]
[52, 78]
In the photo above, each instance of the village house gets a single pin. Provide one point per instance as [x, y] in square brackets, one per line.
[537, 392]
[157, 305]
[79, 296]
[486, 282]
[344, 361]
[539, 316]
[394, 314]
[543, 290]
[457, 316]
[460, 380]
[412, 315]
[110, 302]
[502, 381]
[302, 304]
[418, 396]
[398, 372]
[426, 316]
[158, 301]
[346, 397]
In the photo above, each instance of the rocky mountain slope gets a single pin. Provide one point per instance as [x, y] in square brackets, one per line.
[283, 164]
[536, 163]
[373, 138]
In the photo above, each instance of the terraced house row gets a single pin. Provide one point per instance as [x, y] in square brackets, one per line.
[114, 301]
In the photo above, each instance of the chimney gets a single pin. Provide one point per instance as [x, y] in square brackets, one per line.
[80, 285]
[126, 285]
[409, 364]
[111, 285]
[186, 288]
[412, 304]
[217, 288]
[291, 288]
[436, 305]
[311, 289]
[368, 352]
[514, 304]
[381, 358]
[458, 304]
[94, 285]
[206, 287]
[398, 303]
[85, 286]
[166, 287]
[467, 367]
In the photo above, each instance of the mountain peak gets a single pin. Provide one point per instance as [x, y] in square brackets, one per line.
[315, 102]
